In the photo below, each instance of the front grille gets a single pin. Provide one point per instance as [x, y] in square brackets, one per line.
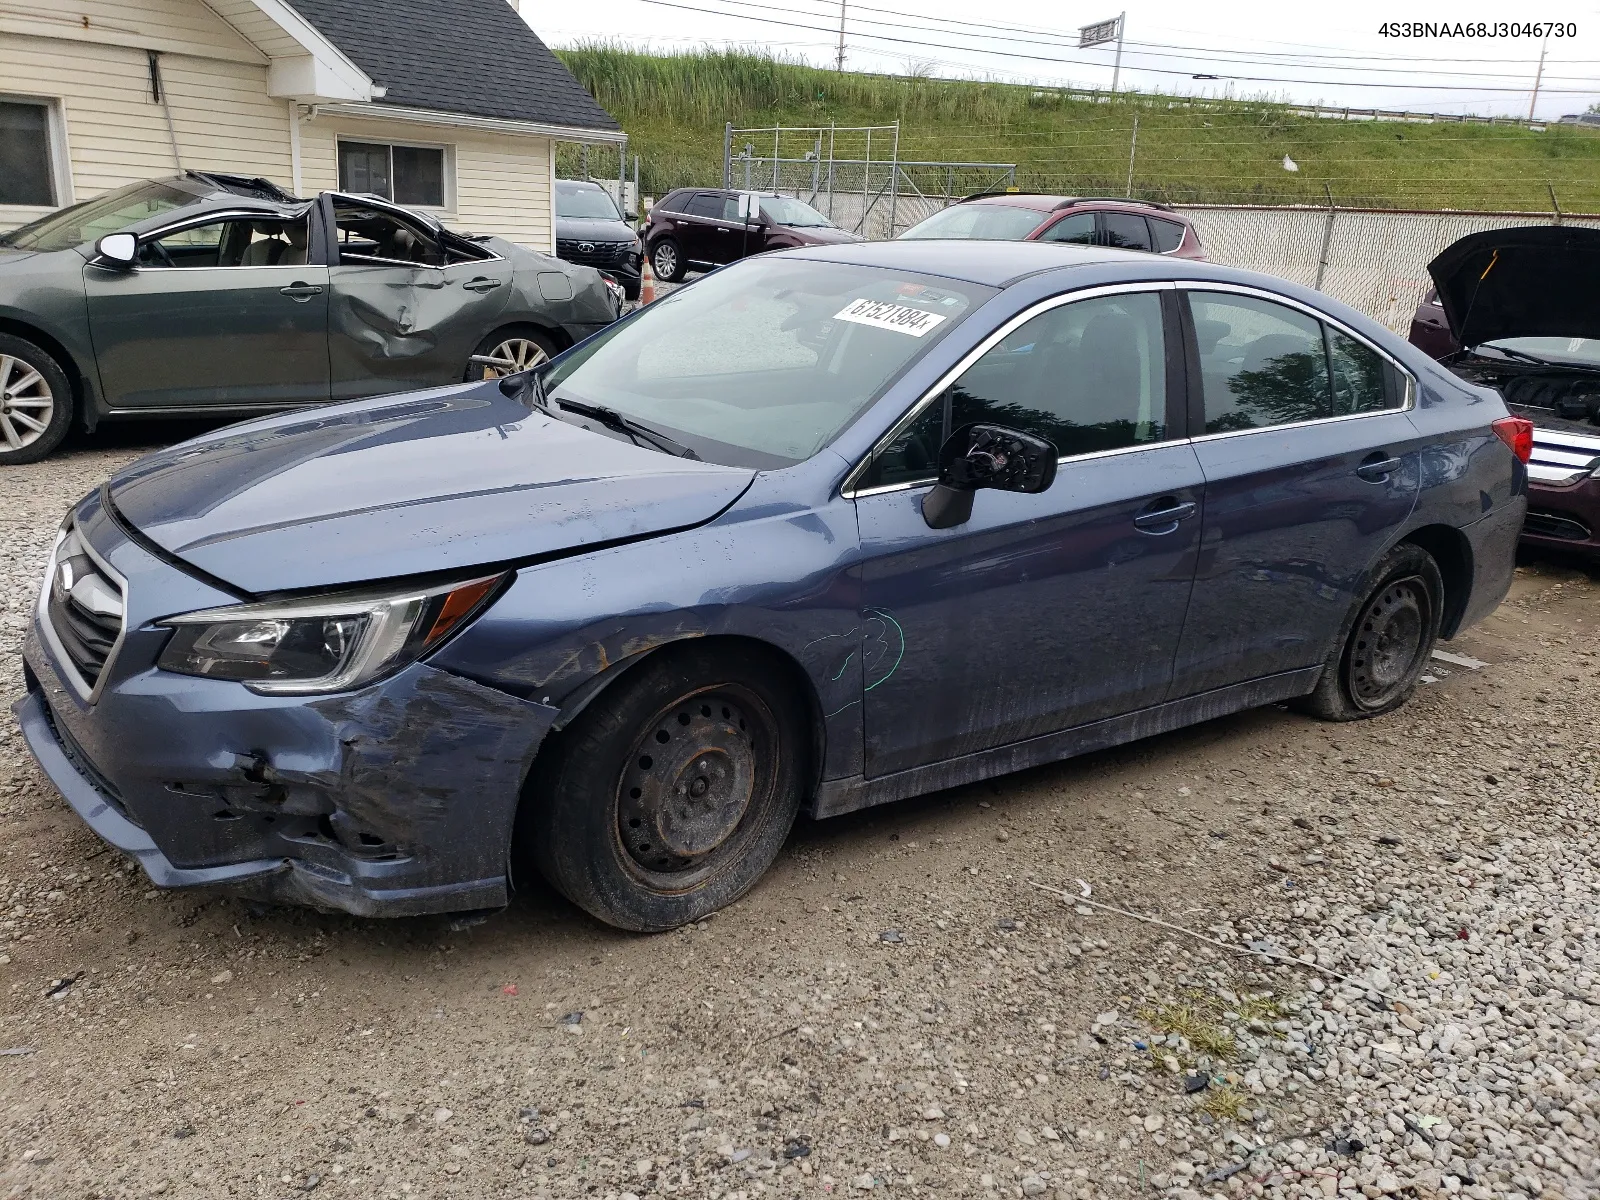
[84, 607]
[1554, 525]
[598, 254]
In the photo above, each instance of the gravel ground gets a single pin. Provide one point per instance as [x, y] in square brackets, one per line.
[919, 999]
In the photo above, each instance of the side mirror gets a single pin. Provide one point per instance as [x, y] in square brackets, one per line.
[986, 456]
[749, 207]
[119, 249]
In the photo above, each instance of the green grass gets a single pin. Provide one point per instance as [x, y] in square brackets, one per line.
[674, 108]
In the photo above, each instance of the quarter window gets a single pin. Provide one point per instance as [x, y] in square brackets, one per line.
[1261, 363]
[1167, 235]
[25, 175]
[402, 174]
[1362, 380]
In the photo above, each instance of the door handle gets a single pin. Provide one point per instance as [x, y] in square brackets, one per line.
[481, 285]
[1164, 515]
[300, 292]
[1377, 467]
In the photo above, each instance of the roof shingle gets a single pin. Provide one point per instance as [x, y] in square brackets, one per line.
[476, 57]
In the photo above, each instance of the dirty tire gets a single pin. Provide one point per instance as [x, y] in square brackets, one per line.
[1376, 666]
[34, 392]
[673, 792]
[666, 259]
[522, 346]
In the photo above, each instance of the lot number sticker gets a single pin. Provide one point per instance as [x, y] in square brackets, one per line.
[880, 314]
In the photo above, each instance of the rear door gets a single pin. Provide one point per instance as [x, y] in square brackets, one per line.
[401, 315]
[1311, 465]
[216, 312]
[700, 229]
[1045, 611]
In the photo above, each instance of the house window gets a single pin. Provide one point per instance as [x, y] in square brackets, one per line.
[403, 174]
[25, 174]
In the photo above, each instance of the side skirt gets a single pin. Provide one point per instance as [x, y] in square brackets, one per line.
[836, 796]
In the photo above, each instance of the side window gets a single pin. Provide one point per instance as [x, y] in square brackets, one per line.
[706, 204]
[1363, 380]
[1261, 363]
[1126, 230]
[730, 208]
[1167, 235]
[1089, 376]
[232, 243]
[368, 235]
[1077, 227]
[914, 454]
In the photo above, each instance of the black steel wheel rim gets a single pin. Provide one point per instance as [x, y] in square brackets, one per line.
[695, 786]
[1388, 642]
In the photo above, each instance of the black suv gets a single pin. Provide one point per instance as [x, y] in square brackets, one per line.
[590, 230]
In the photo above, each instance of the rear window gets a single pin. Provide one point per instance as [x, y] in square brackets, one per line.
[983, 222]
[1168, 235]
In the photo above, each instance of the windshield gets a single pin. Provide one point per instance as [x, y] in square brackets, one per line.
[586, 204]
[785, 210]
[763, 363]
[1584, 352]
[88, 222]
[985, 222]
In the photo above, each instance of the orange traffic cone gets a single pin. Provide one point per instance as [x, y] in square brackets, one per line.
[647, 282]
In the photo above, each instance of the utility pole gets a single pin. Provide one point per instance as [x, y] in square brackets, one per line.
[1116, 70]
[1538, 76]
[838, 62]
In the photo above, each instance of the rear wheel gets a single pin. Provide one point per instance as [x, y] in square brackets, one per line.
[35, 402]
[514, 350]
[667, 260]
[670, 795]
[1383, 656]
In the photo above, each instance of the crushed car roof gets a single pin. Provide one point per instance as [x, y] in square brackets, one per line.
[1531, 281]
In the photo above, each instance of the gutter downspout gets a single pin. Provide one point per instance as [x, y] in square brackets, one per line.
[294, 147]
[160, 96]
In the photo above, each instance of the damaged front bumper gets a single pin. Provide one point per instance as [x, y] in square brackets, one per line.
[393, 800]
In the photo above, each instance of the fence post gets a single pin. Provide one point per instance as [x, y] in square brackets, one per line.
[776, 130]
[816, 168]
[749, 155]
[727, 155]
[622, 174]
[894, 178]
[1327, 240]
[1133, 148]
[1554, 203]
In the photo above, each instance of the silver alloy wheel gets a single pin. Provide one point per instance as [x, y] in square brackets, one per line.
[666, 260]
[513, 355]
[26, 404]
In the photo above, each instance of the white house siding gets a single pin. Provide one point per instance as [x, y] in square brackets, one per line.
[497, 183]
[116, 133]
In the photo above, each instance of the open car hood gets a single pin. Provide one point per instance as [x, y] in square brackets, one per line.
[407, 485]
[1537, 281]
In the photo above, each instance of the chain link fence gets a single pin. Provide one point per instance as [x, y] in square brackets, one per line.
[853, 176]
[1374, 261]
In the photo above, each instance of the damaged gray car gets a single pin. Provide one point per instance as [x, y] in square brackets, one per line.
[213, 294]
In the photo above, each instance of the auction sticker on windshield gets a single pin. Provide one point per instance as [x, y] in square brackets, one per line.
[880, 314]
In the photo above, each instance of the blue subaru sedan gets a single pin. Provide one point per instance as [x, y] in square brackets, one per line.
[825, 529]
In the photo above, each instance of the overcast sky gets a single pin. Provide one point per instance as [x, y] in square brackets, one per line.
[1306, 52]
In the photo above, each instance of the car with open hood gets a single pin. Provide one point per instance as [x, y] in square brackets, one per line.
[1520, 312]
[208, 294]
[818, 531]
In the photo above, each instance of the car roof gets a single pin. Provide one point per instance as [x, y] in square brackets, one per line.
[578, 185]
[992, 264]
[1041, 202]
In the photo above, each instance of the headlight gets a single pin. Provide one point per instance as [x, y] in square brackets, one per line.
[320, 644]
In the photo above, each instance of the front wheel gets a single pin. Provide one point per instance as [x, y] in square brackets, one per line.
[667, 260]
[1382, 658]
[35, 402]
[673, 792]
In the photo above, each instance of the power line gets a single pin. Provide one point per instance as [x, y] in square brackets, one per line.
[1270, 79]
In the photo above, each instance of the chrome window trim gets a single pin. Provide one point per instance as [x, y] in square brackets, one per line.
[848, 488]
[1408, 401]
[63, 661]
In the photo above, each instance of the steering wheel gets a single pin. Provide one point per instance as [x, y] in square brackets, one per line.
[161, 253]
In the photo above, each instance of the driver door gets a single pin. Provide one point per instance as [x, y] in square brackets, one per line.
[220, 313]
[1043, 611]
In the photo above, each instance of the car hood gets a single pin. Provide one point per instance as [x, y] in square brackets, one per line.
[820, 235]
[1537, 281]
[9, 255]
[585, 229]
[447, 480]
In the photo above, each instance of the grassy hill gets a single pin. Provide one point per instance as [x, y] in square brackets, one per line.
[674, 108]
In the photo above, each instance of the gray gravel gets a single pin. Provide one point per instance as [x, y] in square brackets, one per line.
[1004, 1041]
